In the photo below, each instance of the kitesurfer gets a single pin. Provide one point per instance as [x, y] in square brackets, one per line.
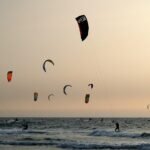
[25, 126]
[117, 129]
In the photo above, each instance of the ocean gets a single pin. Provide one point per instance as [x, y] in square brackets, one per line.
[74, 134]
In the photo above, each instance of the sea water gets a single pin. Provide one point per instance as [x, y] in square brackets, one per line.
[74, 133]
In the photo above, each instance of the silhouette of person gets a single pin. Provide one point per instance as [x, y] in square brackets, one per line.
[25, 126]
[117, 129]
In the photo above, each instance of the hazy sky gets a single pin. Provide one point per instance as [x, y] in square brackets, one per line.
[115, 57]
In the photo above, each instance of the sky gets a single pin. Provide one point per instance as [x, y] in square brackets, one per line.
[114, 57]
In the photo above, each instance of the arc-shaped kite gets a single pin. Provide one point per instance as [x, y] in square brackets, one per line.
[64, 89]
[50, 96]
[91, 85]
[44, 64]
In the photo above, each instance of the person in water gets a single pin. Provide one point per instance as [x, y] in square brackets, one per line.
[16, 119]
[25, 126]
[117, 129]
